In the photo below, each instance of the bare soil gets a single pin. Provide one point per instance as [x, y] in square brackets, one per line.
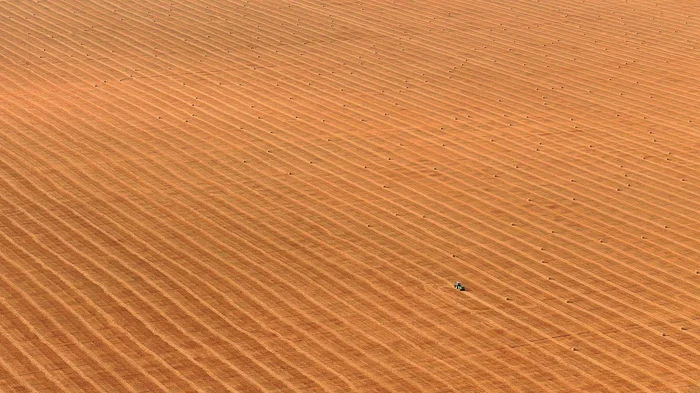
[275, 196]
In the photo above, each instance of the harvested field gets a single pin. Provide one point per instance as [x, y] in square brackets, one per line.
[274, 196]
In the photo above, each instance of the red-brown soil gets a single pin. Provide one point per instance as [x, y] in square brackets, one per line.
[276, 196]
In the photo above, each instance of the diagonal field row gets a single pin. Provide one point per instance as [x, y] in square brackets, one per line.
[277, 196]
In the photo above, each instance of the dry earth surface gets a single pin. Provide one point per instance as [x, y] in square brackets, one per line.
[273, 196]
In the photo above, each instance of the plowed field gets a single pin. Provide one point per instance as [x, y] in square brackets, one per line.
[277, 196]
